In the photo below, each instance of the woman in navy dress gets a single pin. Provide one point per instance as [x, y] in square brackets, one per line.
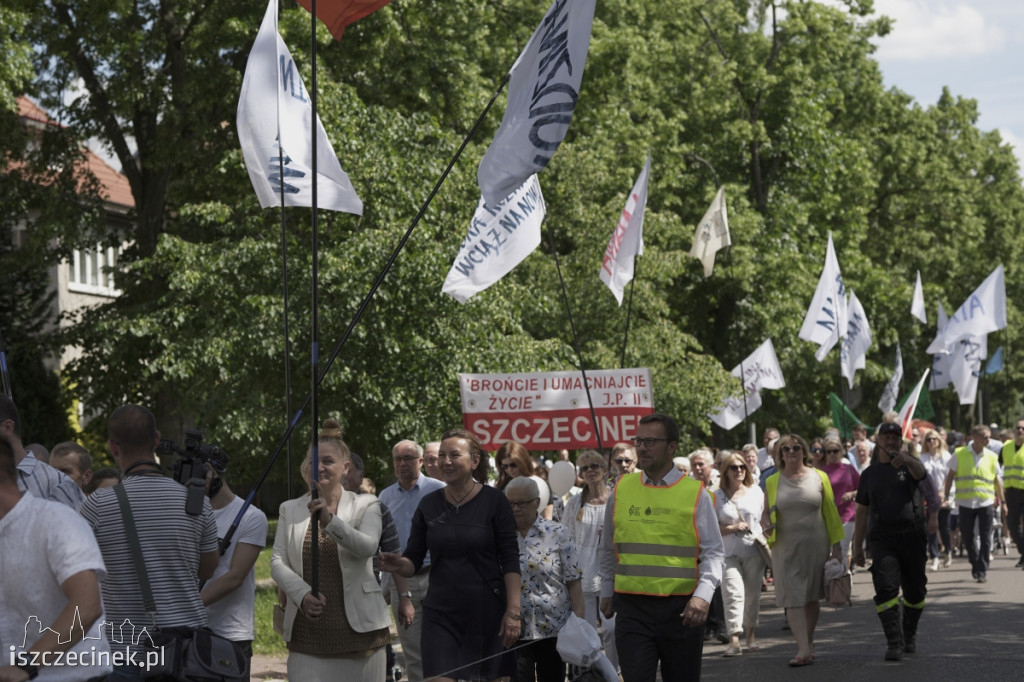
[472, 610]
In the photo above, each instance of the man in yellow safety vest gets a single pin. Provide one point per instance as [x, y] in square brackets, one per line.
[661, 559]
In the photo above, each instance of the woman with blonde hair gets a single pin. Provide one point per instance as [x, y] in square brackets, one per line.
[584, 518]
[935, 457]
[739, 504]
[800, 512]
[513, 461]
[341, 632]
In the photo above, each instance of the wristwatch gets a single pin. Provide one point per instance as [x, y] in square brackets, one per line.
[406, 594]
[32, 670]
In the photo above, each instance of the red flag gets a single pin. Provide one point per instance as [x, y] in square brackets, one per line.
[337, 14]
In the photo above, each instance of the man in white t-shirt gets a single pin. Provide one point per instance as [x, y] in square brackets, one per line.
[51, 614]
[230, 595]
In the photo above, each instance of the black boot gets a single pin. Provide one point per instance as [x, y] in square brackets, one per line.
[910, 618]
[893, 632]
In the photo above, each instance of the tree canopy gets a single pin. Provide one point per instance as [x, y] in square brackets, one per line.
[779, 101]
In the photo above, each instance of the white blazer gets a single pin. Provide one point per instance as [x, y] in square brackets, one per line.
[356, 528]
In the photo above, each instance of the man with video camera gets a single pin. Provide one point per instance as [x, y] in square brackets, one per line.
[180, 549]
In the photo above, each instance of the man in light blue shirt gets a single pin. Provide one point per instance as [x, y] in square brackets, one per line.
[36, 477]
[402, 498]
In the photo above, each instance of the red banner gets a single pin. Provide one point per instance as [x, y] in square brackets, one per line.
[549, 410]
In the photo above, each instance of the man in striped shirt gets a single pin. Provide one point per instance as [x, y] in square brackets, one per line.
[38, 478]
[178, 549]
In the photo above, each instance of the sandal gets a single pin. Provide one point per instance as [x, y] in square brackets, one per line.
[753, 646]
[799, 661]
[733, 651]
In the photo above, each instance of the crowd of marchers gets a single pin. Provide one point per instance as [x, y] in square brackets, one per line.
[477, 563]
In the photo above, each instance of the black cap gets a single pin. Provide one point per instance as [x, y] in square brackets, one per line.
[890, 427]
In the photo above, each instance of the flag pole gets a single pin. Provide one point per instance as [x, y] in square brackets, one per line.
[287, 336]
[743, 373]
[4, 373]
[314, 317]
[629, 312]
[362, 306]
[575, 339]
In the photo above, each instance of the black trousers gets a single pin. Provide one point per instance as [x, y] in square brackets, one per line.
[897, 560]
[539, 660]
[984, 516]
[649, 630]
[1015, 516]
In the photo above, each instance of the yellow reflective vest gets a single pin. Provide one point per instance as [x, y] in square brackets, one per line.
[1013, 465]
[976, 482]
[655, 536]
[833, 524]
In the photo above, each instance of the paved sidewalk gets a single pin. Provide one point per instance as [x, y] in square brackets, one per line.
[969, 631]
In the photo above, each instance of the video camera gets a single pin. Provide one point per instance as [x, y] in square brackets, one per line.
[192, 466]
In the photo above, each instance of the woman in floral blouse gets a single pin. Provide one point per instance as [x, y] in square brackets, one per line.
[550, 583]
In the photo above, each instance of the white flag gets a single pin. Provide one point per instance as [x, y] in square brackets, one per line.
[759, 370]
[983, 312]
[892, 389]
[627, 240]
[941, 362]
[274, 108]
[907, 411]
[712, 233]
[542, 95]
[917, 304]
[965, 366]
[825, 321]
[499, 239]
[854, 351]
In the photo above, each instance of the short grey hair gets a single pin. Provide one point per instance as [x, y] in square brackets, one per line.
[524, 483]
[702, 454]
[414, 444]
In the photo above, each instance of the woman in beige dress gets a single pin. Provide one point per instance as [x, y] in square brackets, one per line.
[805, 528]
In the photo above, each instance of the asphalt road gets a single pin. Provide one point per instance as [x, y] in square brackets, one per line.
[969, 631]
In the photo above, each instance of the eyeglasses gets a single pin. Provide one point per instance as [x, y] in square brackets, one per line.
[522, 504]
[646, 442]
[937, 438]
[794, 448]
[832, 451]
[737, 467]
[510, 465]
[590, 467]
[815, 450]
[623, 460]
[1019, 428]
[404, 460]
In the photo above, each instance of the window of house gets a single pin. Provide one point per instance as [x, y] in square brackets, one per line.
[91, 271]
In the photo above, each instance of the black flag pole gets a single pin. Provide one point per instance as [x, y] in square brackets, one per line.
[743, 373]
[336, 351]
[314, 316]
[575, 340]
[287, 336]
[4, 373]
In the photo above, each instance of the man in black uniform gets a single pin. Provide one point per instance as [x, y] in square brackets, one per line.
[890, 492]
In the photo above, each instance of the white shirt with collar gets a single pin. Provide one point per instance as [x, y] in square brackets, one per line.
[712, 551]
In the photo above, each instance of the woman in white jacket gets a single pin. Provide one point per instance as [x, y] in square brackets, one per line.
[340, 633]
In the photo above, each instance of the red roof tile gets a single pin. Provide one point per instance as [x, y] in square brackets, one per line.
[114, 186]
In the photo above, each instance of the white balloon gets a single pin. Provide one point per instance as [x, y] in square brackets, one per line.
[543, 491]
[562, 477]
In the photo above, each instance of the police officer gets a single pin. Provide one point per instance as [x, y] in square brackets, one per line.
[891, 494]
